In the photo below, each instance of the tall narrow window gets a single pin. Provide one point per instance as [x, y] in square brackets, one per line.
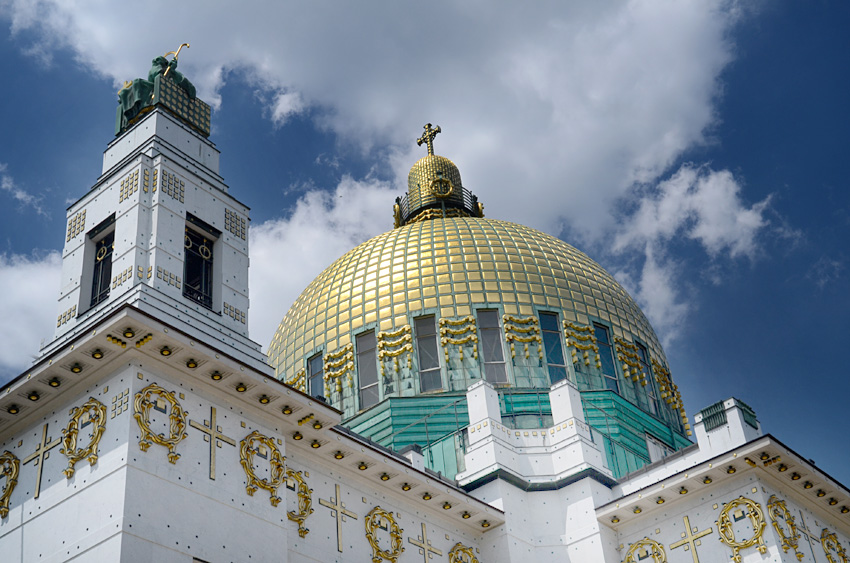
[553, 346]
[315, 376]
[367, 368]
[492, 352]
[198, 261]
[606, 357]
[103, 237]
[428, 354]
[102, 268]
[650, 379]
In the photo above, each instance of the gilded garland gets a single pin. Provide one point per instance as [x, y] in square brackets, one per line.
[91, 412]
[267, 450]
[644, 548]
[462, 554]
[727, 533]
[9, 467]
[378, 518]
[783, 523]
[832, 547]
[305, 501]
[176, 416]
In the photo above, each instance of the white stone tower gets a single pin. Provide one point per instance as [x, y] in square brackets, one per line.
[160, 232]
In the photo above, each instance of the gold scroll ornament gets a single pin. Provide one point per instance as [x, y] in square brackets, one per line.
[378, 518]
[832, 547]
[9, 468]
[462, 554]
[783, 523]
[305, 501]
[91, 412]
[392, 345]
[581, 339]
[336, 366]
[176, 416]
[644, 548]
[628, 354]
[727, 534]
[523, 330]
[459, 332]
[247, 450]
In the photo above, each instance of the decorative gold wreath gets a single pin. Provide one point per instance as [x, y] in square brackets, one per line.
[831, 546]
[462, 554]
[727, 534]
[778, 512]
[441, 187]
[97, 413]
[378, 518]
[101, 253]
[9, 467]
[246, 458]
[177, 417]
[656, 550]
[305, 502]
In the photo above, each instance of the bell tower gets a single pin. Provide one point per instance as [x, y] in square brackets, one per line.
[159, 230]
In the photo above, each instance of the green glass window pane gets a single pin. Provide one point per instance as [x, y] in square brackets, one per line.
[554, 350]
[488, 319]
[315, 370]
[549, 322]
[491, 346]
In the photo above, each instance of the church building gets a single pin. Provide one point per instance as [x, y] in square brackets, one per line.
[460, 388]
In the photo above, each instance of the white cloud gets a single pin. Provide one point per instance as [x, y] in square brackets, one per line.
[27, 307]
[695, 203]
[700, 204]
[20, 195]
[286, 254]
[569, 104]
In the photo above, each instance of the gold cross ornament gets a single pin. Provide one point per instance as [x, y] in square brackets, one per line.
[212, 433]
[428, 138]
[42, 452]
[340, 512]
[424, 545]
[691, 539]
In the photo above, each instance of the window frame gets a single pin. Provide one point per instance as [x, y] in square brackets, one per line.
[361, 354]
[612, 379]
[311, 375]
[500, 333]
[200, 229]
[420, 338]
[560, 333]
[101, 268]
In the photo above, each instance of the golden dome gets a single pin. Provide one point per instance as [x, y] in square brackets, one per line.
[433, 179]
[450, 267]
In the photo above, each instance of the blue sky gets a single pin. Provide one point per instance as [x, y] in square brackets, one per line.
[696, 152]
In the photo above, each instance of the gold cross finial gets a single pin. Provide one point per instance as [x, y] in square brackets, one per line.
[428, 137]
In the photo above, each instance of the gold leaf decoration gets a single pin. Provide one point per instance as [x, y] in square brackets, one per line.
[727, 534]
[91, 412]
[644, 548]
[9, 468]
[378, 518]
[267, 449]
[462, 554]
[176, 415]
[305, 501]
[832, 547]
[783, 523]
